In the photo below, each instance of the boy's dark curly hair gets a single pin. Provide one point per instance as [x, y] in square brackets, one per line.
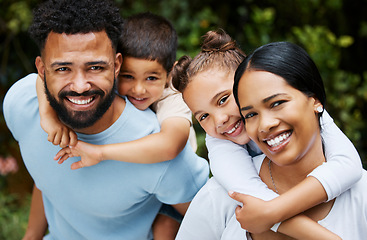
[76, 16]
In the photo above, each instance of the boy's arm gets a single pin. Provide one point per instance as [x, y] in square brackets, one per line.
[157, 147]
[37, 223]
[58, 133]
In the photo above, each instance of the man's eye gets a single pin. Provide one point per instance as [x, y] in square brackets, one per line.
[96, 68]
[202, 117]
[62, 69]
[222, 100]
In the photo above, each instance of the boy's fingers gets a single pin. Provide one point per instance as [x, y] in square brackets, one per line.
[73, 138]
[76, 165]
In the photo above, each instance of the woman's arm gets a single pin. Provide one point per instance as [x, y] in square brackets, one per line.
[58, 133]
[37, 223]
[158, 147]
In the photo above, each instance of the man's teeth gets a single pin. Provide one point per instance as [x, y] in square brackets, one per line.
[278, 140]
[234, 128]
[80, 102]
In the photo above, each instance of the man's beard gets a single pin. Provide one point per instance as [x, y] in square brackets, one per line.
[81, 119]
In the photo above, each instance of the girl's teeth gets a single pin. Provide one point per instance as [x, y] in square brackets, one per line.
[234, 128]
[278, 140]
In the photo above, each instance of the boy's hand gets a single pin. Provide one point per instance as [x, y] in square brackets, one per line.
[256, 215]
[58, 133]
[90, 154]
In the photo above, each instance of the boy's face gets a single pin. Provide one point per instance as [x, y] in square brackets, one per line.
[209, 96]
[141, 81]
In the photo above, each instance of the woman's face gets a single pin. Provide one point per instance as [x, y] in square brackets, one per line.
[280, 119]
[209, 96]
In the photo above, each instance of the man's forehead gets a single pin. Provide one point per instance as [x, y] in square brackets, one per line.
[78, 45]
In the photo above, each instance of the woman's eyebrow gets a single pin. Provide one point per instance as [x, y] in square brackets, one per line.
[263, 101]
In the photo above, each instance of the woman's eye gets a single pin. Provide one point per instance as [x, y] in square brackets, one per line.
[202, 117]
[222, 100]
[277, 103]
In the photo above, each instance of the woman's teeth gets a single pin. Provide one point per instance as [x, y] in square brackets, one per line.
[278, 140]
[234, 128]
[80, 102]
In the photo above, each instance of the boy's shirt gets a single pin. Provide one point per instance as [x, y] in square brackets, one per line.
[171, 104]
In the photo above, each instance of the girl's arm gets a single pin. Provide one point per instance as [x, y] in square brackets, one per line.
[158, 147]
[233, 168]
[37, 223]
[58, 133]
[343, 165]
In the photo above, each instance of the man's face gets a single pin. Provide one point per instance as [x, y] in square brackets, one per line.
[79, 73]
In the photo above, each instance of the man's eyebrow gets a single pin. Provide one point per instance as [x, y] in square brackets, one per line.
[54, 64]
[96, 63]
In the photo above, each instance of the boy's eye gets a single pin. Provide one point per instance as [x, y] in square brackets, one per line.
[222, 100]
[126, 76]
[202, 117]
[151, 78]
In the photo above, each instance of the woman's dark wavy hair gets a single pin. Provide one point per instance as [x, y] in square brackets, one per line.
[288, 61]
[149, 36]
[76, 16]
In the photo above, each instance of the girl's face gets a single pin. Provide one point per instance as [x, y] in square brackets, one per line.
[209, 96]
[280, 119]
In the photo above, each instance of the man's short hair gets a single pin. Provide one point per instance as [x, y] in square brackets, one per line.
[76, 16]
[149, 36]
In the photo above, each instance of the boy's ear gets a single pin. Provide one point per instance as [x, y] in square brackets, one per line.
[40, 67]
[118, 63]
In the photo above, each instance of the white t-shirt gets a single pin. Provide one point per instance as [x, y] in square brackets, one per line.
[211, 213]
[171, 104]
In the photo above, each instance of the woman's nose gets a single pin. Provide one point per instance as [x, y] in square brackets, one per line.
[267, 122]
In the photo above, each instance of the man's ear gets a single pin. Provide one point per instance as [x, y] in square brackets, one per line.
[118, 62]
[40, 67]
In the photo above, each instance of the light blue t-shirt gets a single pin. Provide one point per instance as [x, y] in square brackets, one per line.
[110, 200]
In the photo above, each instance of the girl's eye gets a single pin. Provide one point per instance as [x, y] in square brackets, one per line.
[222, 100]
[202, 117]
[249, 115]
[151, 78]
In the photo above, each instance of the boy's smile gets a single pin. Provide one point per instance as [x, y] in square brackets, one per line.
[142, 81]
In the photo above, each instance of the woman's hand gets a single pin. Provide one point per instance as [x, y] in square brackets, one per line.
[90, 154]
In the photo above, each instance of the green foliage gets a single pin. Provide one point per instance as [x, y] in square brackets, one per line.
[13, 216]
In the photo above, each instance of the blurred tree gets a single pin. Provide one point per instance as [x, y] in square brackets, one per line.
[334, 32]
